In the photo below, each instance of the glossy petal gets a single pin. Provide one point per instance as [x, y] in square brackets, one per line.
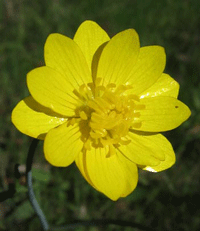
[62, 145]
[115, 176]
[169, 160]
[118, 57]
[81, 164]
[89, 37]
[51, 89]
[162, 114]
[107, 174]
[131, 174]
[165, 86]
[64, 55]
[33, 119]
[149, 67]
[144, 148]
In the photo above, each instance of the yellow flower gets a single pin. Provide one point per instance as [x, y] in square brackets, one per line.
[102, 102]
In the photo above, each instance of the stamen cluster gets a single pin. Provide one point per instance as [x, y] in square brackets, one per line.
[106, 114]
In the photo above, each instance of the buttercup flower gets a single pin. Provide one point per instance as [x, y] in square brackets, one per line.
[102, 102]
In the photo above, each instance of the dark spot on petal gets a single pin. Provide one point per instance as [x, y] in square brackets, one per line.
[176, 106]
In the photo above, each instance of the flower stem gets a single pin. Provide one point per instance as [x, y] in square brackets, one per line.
[31, 194]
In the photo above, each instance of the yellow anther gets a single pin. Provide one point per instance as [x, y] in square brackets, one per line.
[124, 142]
[134, 97]
[95, 135]
[137, 124]
[121, 89]
[99, 91]
[71, 122]
[111, 151]
[83, 115]
[82, 88]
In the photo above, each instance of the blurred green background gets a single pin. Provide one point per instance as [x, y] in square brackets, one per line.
[168, 200]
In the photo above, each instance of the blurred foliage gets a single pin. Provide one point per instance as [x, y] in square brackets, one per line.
[166, 200]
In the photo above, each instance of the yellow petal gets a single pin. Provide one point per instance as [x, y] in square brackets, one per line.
[169, 160]
[115, 176]
[131, 174]
[165, 86]
[33, 119]
[89, 37]
[149, 67]
[62, 145]
[81, 164]
[118, 57]
[144, 148]
[162, 113]
[106, 173]
[51, 89]
[63, 54]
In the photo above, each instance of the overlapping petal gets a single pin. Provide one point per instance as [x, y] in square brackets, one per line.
[105, 173]
[144, 148]
[169, 159]
[164, 86]
[64, 55]
[81, 164]
[109, 175]
[149, 147]
[89, 37]
[118, 57]
[162, 114]
[167, 163]
[131, 174]
[33, 119]
[62, 145]
[149, 67]
[51, 89]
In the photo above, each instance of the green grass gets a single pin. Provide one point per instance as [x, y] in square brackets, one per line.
[166, 200]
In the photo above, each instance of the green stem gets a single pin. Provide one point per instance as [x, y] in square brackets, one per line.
[31, 194]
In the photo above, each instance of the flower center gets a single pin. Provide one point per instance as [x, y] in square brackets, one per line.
[106, 114]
